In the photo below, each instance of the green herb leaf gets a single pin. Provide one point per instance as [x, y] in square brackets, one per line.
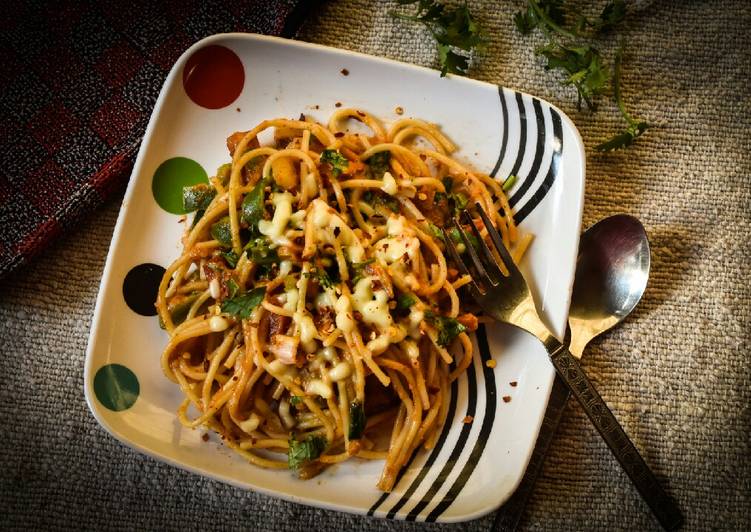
[405, 301]
[510, 180]
[356, 420]
[454, 29]
[378, 164]
[584, 66]
[252, 208]
[197, 197]
[448, 328]
[459, 202]
[302, 452]
[295, 400]
[230, 258]
[222, 232]
[242, 306]
[232, 288]
[378, 199]
[259, 251]
[339, 163]
[223, 173]
[357, 270]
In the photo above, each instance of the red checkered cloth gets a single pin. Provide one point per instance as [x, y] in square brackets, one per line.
[78, 81]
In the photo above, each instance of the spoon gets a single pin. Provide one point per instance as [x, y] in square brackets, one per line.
[611, 274]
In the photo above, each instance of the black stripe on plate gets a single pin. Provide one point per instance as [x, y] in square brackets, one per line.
[504, 137]
[522, 134]
[491, 403]
[539, 152]
[547, 183]
[457, 450]
[429, 462]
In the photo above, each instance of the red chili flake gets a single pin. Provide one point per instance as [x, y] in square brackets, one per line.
[423, 156]
[238, 109]
[344, 72]
[506, 398]
[361, 113]
[338, 104]
[357, 315]
[316, 106]
[337, 230]
[205, 436]
[469, 419]
[302, 118]
[513, 383]
[339, 134]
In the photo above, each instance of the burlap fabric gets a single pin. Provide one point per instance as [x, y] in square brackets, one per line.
[676, 373]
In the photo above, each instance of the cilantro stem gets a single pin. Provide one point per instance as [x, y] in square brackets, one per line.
[549, 22]
[617, 85]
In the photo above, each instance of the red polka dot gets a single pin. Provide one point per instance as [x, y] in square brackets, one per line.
[213, 77]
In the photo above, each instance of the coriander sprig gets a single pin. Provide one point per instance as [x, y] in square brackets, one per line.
[457, 33]
[570, 50]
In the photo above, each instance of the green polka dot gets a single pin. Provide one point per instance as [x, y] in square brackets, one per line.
[170, 178]
[116, 387]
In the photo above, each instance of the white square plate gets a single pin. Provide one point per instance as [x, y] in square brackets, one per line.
[474, 466]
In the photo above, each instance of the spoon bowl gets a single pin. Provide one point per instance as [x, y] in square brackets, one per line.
[611, 275]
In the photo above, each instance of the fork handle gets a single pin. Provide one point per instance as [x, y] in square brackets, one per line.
[661, 504]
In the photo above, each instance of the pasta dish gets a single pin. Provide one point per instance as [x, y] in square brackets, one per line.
[313, 315]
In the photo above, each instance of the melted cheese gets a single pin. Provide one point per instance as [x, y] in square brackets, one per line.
[343, 308]
[307, 330]
[275, 228]
[391, 250]
[394, 334]
[372, 304]
[325, 221]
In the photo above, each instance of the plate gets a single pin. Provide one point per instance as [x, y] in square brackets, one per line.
[231, 82]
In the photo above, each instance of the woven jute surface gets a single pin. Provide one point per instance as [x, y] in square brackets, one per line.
[676, 372]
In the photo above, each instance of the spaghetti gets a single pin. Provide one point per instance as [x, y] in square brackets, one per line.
[312, 312]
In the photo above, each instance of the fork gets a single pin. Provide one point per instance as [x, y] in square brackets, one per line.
[507, 298]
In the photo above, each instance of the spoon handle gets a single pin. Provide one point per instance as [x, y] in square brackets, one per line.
[661, 504]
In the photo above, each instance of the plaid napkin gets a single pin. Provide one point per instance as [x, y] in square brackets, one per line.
[78, 81]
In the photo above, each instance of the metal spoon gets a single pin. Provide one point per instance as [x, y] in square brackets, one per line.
[611, 274]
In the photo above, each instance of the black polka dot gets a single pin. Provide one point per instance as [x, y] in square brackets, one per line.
[140, 288]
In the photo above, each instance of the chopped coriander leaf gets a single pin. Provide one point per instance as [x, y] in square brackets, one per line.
[260, 252]
[455, 31]
[376, 199]
[253, 206]
[459, 202]
[585, 68]
[356, 420]
[339, 163]
[435, 231]
[178, 309]
[222, 232]
[230, 257]
[448, 184]
[357, 270]
[378, 164]
[302, 452]
[322, 276]
[448, 328]
[295, 400]
[405, 301]
[223, 173]
[242, 306]
[232, 288]
[197, 197]
[510, 180]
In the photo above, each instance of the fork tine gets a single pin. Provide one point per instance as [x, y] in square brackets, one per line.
[481, 269]
[490, 261]
[498, 242]
[459, 262]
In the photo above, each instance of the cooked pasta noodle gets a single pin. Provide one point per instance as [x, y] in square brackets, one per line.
[313, 316]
